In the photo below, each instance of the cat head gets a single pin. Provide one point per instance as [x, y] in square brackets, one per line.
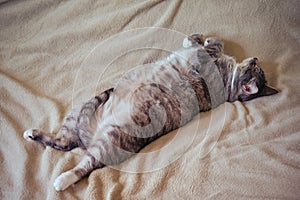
[249, 82]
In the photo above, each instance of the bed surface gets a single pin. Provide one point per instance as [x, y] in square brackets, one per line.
[56, 54]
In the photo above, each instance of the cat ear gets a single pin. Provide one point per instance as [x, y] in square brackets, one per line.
[267, 90]
[250, 88]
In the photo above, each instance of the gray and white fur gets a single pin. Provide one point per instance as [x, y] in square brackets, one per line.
[151, 101]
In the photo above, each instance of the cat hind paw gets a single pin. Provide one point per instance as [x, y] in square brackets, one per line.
[64, 181]
[29, 134]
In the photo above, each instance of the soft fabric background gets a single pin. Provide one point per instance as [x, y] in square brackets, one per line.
[44, 43]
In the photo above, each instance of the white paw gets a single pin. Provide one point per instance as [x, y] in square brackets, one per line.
[65, 180]
[187, 43]
[28, 135]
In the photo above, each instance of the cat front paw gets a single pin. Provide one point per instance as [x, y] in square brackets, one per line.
[192, 40]
[187, 43]
[29, 135]
[65, 180]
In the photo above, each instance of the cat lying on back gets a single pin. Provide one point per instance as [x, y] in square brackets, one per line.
[151, 102]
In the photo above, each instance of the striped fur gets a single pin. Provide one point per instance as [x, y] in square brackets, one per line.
[149, 102]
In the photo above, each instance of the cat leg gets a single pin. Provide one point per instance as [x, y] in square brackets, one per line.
[86, 120]
[84, 124]
[87, 112]
[67, 137]
[83, 168]
[64, 140]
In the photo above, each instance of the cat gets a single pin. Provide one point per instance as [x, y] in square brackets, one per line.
[150, 102]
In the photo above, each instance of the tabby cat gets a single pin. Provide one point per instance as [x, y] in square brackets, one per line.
[152, 101]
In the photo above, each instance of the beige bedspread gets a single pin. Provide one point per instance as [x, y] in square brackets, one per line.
[54, 54]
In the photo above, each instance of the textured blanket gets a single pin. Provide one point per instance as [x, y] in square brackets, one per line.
[55, 54]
